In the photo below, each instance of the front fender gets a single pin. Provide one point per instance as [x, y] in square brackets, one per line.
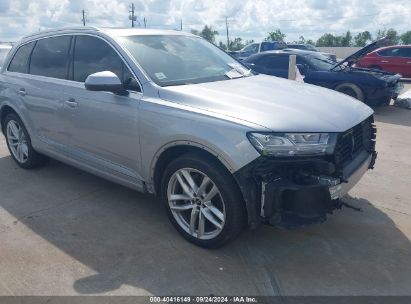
[163, 126]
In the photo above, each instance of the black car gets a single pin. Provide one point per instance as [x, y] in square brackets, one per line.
[374, 87]
[309, 47]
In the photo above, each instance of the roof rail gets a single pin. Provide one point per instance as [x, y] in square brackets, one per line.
[83, 28]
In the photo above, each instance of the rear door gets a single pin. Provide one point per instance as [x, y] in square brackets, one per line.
[393, 60]
[103, 126]
[40, 87]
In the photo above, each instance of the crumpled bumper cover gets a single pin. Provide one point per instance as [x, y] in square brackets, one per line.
[302, 194]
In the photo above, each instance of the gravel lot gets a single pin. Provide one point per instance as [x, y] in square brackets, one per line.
[65, 232]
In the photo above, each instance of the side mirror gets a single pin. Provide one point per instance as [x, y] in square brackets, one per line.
[302, 68]
[105, 81]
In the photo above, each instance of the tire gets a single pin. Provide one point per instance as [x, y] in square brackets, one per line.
[352, 90]
[186, 213]
[19, 143]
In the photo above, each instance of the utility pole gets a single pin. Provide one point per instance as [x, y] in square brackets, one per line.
[145, 24]
[226, 26]
[131, 16]
[181, 24]
[83, 18]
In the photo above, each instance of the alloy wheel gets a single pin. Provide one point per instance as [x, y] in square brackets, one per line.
[17, 141]
[196, 203]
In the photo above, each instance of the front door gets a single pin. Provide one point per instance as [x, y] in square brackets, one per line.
[102, 126]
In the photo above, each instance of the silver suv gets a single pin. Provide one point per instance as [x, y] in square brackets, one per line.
[168, 113]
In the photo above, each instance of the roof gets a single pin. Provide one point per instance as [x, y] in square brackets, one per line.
[290, 51]
[281, 52]
[109, 31]
[141, 31]
[393, 46]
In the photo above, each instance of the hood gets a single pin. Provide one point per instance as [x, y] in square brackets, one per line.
[380, 74]
[274, 103]
[353, 58]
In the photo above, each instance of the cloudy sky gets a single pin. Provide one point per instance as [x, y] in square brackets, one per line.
[249, 19]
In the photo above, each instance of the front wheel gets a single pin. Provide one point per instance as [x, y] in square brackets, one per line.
[203, 201]
[352, 90]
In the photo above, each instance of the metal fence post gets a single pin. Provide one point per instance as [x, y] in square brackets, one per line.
[292, 65]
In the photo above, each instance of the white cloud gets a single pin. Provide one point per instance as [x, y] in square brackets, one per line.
[250, 19]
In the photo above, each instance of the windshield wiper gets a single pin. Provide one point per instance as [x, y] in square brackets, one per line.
[234, 74]
[240, 69]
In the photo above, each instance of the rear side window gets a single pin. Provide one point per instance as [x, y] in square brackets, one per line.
[50, 57]
[407, 52]
[20, 61]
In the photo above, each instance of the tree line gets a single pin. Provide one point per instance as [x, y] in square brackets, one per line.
[326, 40]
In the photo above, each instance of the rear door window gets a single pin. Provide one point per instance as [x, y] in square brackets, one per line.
[395, 52]
[20, 61]
[50, 57]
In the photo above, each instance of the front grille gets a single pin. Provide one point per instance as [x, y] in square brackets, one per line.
[355, 140]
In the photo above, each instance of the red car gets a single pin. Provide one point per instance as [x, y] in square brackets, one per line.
[395, 59]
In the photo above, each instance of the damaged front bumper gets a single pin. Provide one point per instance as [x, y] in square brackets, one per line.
[301, 192]
[296, 191]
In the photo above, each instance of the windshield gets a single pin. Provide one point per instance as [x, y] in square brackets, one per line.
[177, 60]
[320, 62]
[311, 48]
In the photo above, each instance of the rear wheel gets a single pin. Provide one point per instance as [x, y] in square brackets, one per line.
[352, 90]
[203, 201]
[19, 143]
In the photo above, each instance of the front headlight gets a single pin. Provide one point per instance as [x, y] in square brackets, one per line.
[293, 144]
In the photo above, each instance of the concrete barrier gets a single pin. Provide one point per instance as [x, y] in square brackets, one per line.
[340, 52]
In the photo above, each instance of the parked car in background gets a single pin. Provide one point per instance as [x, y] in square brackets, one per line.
[310, 47]
[257, 47]
[4, 50]
[301, 46]
[395, 59]
[168, 113]
[373, 87]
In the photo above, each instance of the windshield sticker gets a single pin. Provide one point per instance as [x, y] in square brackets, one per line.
[160, 76]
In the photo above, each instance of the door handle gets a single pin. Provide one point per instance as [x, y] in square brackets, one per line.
[408, 62]
[71, 102]
[22, 92]
[384, 61]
